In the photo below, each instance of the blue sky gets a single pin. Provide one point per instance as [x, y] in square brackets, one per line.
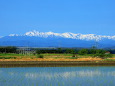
[77, 16]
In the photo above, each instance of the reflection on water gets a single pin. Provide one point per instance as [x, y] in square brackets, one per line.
[69, 74]
[57, 76]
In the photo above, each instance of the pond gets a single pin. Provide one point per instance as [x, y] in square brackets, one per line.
[57, 76]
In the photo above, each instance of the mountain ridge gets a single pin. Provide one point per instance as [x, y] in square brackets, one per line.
[51, 39]
[66, 35]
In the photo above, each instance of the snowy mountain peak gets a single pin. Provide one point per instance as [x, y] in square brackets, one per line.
[32, 33]
[13, 35]
[66, 35]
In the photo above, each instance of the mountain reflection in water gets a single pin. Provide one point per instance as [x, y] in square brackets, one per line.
[53, 76]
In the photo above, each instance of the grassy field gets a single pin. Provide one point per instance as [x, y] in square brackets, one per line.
[56, 56]
[51, 57]
[10, 54]
[53, 60]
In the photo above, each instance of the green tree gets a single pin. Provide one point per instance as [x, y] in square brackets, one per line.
[72, 51]
[92, 51]
[100, 51]
[83, 52]
[9, 49]
[59, 50]
[38, 51]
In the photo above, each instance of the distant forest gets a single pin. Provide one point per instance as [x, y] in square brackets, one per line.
[93, 50]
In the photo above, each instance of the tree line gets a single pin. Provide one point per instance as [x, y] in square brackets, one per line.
[93, 52]
[13, 49]
[9, 49]
[71, 51]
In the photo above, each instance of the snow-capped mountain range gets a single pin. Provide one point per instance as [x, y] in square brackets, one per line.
[66, 35]
[50, 39]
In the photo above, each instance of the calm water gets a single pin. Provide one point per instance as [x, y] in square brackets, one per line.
[57, 76]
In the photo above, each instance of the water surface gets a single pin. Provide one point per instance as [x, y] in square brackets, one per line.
[57, 76]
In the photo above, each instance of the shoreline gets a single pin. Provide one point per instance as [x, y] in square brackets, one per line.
[54, 63]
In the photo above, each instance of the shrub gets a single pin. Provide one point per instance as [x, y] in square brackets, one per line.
[13, 57]
[74, 55]
[40, 56]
